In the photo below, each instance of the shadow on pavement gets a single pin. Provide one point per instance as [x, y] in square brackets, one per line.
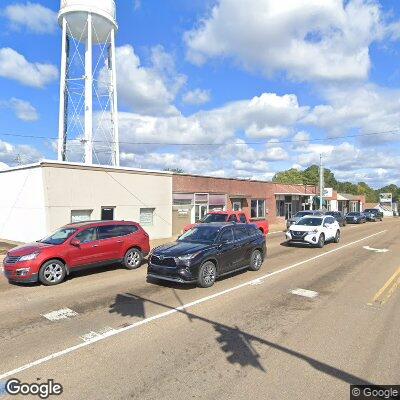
[234, 342]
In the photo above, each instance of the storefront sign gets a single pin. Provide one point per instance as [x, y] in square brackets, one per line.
[328, 192]
[385, 198]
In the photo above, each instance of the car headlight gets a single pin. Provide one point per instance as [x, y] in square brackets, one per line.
[187, 257]
[29, 257]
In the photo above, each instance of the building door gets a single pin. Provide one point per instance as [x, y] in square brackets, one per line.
[288, 210]
[200, 212]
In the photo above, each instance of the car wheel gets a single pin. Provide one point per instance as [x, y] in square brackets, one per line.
[337, 237]
[207, 274]
[133, 259]
[256, 260]
[321, 241]
[52, 272]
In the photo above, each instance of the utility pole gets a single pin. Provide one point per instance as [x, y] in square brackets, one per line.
[321, 183]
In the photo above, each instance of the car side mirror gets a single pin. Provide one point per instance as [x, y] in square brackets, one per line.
[75, 243]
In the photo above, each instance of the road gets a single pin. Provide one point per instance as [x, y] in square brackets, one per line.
[246, 337]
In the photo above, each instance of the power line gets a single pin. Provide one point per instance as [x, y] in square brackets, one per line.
[273, 142]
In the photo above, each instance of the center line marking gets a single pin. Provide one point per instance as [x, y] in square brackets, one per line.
[173, 311]
[305, 293]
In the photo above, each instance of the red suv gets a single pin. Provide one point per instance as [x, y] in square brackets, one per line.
[77, 246]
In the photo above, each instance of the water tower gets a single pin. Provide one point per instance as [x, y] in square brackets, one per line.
[88, 117]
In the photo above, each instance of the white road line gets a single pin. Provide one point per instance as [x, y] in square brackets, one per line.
[90, 336]
[64, 313]
[305, 293]
[375, 250]
[257, 282]
[174, 310]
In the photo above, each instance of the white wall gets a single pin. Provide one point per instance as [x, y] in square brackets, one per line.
[22, 212]
[83, 188]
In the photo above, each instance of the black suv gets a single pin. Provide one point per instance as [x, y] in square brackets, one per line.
[340, 218]
[208, 251]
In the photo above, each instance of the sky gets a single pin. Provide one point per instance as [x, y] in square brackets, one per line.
[235, 88]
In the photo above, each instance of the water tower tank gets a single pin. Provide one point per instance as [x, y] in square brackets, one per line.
[103, 18]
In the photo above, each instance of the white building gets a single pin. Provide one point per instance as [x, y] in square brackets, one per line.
[38, 198]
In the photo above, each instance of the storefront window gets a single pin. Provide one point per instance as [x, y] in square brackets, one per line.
[258, 209]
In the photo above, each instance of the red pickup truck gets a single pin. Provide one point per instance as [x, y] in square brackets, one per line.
[231, 216]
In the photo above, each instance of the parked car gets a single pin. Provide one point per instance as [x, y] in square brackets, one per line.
[356, 218]
[230, 216]
[301, 214]
[373, 212]
[314, 230]
[340, 218]
[77, 246]
[208, 251]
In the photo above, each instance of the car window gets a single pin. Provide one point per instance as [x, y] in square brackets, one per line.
[226, 236]
[214, 218]
[86, 236]
[127, 230]
[107, 231]
[242, 218]
[240, 232]
[59, 237]
[310, 221]
[232, 218]
[329, 220]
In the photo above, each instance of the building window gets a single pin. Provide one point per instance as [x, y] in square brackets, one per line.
[147, 216]
[280, 208]
[81, 215]
[107, 213]
[237, 206]
[258, 209]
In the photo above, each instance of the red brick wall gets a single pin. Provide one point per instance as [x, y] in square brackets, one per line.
[251, 189]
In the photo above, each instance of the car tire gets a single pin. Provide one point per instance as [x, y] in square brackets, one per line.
[321, 241]
[207, 274]
[256, 260]
[52, 272]
[337, 237]
[133, 258]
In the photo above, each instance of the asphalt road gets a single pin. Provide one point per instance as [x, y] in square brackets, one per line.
[246, 337]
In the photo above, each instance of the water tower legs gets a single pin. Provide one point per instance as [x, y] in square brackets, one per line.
[113, 100]
[89, 93]
[63, 115]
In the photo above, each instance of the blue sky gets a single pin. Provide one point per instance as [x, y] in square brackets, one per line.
[256, 86]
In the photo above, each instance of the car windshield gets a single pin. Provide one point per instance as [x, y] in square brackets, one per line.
[302, 214]
[206, 234]
[310, 222]
[331, 213]
[59, 237]
[214, 218]
[353, 214]
[371, 211]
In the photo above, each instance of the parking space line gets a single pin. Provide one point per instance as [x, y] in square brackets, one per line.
[64, 313]
[305, 293]
[164, 314]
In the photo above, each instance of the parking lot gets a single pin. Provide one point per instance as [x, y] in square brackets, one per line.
[307, 325]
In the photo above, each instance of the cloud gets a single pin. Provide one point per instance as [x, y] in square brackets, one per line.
[32, 16]
[24, 110]
[196, 97]
[147, 90]
[11, 154]
[15, 66]
[310, 41]
[367, 107]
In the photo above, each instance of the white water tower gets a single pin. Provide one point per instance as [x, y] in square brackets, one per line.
[88, 94]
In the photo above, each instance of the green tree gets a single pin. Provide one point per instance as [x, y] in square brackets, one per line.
[291, 176]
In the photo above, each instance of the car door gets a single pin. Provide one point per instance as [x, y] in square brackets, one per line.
[110, 242]
[226, 250]
[85, 252]
[330, 227]
[242, 246]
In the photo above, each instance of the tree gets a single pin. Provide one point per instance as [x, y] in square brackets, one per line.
[291, 176]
